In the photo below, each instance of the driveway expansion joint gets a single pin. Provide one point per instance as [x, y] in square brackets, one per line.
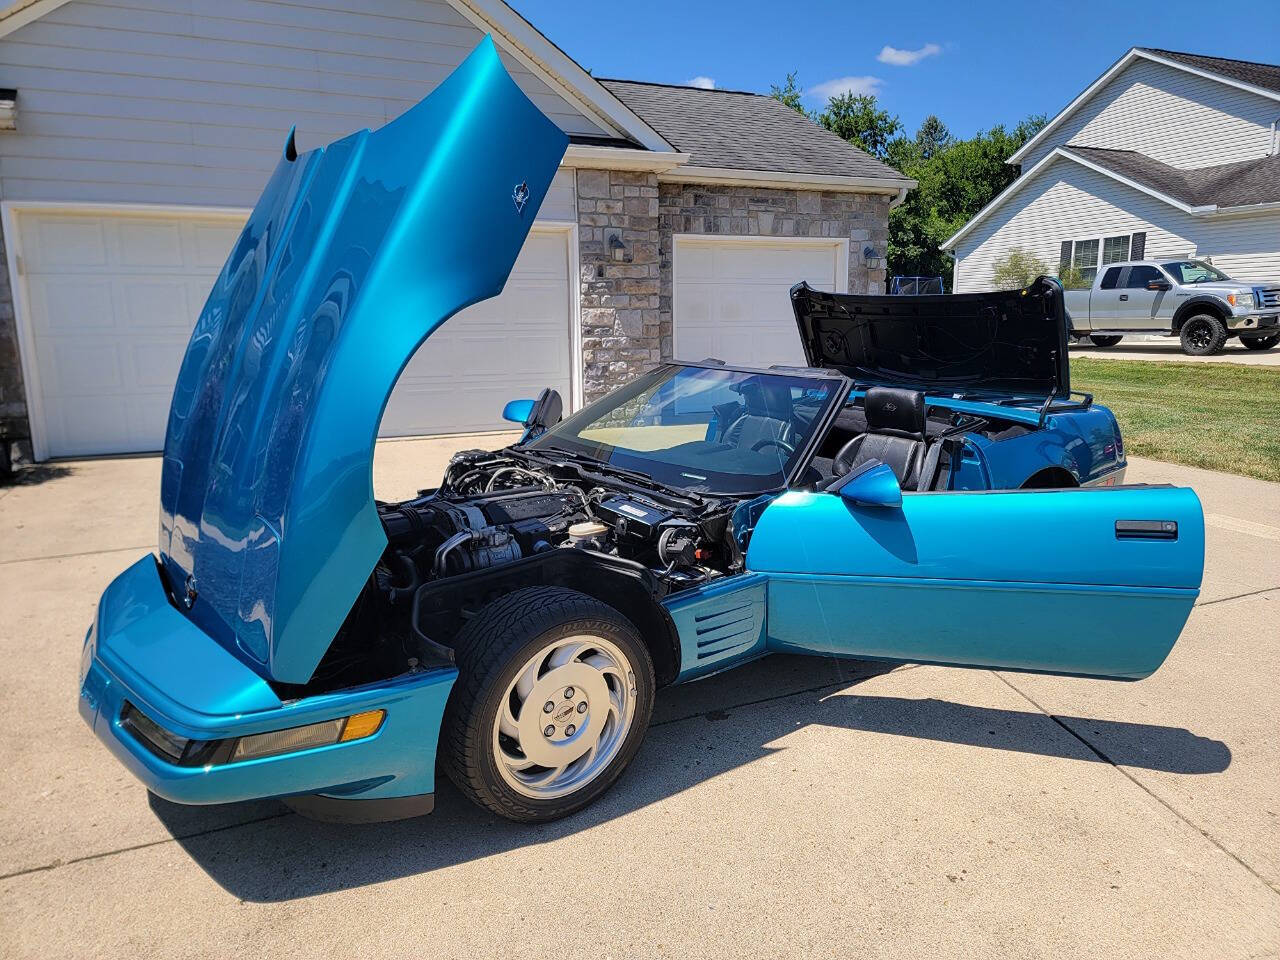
[1139, 784]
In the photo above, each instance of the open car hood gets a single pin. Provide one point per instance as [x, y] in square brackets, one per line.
[355, 253]
[1010, 341]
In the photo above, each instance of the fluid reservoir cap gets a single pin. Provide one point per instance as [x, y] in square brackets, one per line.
[587, 530]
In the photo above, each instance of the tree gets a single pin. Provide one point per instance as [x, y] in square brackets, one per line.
[933, 137]
[1017, 269]
[956, 178]
[789, 93]
[857, 117]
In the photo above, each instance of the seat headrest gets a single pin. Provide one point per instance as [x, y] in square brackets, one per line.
[895, 411]
[767, 399]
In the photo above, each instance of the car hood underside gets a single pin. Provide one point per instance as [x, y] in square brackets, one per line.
[1009, 341]
[354, 254]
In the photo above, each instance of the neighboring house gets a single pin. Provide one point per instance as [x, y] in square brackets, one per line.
[142, 136]
[1165, 155]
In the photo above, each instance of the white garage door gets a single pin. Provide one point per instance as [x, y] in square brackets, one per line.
[110, 300]
[731, 298]
[497, 350]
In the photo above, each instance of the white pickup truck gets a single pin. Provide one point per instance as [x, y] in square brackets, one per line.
[1189, 299]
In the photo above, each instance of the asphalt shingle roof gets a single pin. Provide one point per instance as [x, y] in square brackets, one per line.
[1264, 75]
[744, 131]
[1243, 183]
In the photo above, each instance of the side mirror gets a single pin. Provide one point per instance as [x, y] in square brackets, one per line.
[545, 412]
[874, 484]
[517, 411]
[1159, 285]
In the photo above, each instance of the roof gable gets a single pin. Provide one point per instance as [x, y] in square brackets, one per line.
[515, 36]
[1260, 79]
[731, 130]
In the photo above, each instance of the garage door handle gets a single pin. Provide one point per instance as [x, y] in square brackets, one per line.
[1124, 296]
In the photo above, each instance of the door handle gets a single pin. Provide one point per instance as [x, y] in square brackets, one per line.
[1146, 530]
[1124, 296]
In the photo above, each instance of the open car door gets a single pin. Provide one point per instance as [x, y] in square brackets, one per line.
[1087, 582]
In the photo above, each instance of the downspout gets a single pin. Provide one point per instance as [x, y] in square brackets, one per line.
[902, 192]
[1274, 147]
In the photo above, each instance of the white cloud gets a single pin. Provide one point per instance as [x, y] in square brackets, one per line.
[908, 58]
[704, 83]
[833, 88]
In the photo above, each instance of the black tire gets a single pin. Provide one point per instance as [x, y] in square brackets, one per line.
[1260, 343]
[490, 651]
[1105, 341]
[1202, 335]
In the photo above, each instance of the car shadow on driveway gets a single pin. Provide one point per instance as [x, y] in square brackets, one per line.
[272, 855]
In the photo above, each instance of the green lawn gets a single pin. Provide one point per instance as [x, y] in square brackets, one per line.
[1221, 416]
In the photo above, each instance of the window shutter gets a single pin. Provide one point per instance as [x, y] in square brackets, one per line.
[1064, 255]
[1138, 247]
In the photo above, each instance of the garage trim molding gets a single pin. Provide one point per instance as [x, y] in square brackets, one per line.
[839, 246]
[11, 210]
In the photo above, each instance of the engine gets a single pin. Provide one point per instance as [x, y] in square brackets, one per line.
[491, 510]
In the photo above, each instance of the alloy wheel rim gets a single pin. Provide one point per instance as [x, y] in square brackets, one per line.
[1199, 335]
[564, 717]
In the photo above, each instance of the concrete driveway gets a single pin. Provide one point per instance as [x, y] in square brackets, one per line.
[795, 807]
[1168, 348]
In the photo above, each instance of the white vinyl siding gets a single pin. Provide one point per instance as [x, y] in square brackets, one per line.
[148, 101]
[1170, 115]
[1069, 202]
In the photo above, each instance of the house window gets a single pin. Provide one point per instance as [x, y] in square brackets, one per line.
[1085, 259]
[1089, 254]
[1115, 249]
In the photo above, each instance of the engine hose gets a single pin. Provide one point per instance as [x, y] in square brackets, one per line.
[412, 578]
[442, 553]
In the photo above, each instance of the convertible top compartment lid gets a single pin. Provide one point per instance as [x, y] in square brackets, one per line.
[1009, 341]
[354, 254]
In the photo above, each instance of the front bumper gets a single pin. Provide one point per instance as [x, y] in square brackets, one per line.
[1254, 322]
[142, 651]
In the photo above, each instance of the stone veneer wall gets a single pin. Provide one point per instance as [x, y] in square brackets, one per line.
[626, 306]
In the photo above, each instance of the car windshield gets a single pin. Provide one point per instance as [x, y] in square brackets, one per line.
[701, 429]
[1193, 271]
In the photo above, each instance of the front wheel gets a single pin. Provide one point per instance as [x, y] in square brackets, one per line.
[553, 698]
[1105, 341]
[1202, 335]
[1260, 343]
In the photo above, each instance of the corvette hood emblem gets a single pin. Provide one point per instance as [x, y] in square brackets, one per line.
[520, 195]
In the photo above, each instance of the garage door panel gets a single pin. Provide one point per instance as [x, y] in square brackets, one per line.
[161, 304]
[69, 242]
[732, 297]
[148, 243]
[79, 367]
[112, 300]
[71, 304]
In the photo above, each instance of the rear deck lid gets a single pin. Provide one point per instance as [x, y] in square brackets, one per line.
[355, 253]
[1010, 341]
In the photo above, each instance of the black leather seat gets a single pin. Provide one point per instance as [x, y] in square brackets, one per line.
[768, 417]
[895, 435]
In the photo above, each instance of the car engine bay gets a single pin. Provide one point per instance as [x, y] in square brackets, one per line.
[496, 509]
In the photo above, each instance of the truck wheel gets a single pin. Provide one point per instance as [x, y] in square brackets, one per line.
[552, 700]
[1260, 343]
[1106, 341]
[1202, 335]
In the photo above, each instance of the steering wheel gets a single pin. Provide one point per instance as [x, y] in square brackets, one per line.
[761, 444]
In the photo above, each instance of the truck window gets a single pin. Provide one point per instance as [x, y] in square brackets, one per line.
[1110, 278]
[1140, 276]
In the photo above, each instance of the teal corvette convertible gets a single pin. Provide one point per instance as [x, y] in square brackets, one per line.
[927, 489]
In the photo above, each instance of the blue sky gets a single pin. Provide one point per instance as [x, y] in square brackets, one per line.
[974, 64]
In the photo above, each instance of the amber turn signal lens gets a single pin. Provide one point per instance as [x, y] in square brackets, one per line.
[362, 725]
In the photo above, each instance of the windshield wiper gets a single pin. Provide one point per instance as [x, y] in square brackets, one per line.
[583, 459]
